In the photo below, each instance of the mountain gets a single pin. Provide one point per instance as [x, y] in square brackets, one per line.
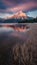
[18, 18]
[18, 15]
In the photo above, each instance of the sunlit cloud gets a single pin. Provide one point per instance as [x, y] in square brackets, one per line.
[8, 7]
[23, 7]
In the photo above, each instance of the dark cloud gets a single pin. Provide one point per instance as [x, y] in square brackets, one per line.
[2, 6]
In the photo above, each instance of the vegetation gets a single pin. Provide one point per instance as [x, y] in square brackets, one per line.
[29, 21]
[33, 20]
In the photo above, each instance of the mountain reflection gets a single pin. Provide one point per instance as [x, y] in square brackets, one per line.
[18, 47]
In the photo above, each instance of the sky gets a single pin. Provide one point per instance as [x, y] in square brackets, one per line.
[9, 7]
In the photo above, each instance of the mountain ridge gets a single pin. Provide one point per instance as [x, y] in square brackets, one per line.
[18, 15]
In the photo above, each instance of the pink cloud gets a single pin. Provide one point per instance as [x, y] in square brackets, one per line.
[24, 7]
[8, 3]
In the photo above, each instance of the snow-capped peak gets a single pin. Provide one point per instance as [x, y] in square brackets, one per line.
[18, 15]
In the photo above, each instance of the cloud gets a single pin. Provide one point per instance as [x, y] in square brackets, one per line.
[8, 3]
[12, 6]
[24, 7]
[32, 13]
